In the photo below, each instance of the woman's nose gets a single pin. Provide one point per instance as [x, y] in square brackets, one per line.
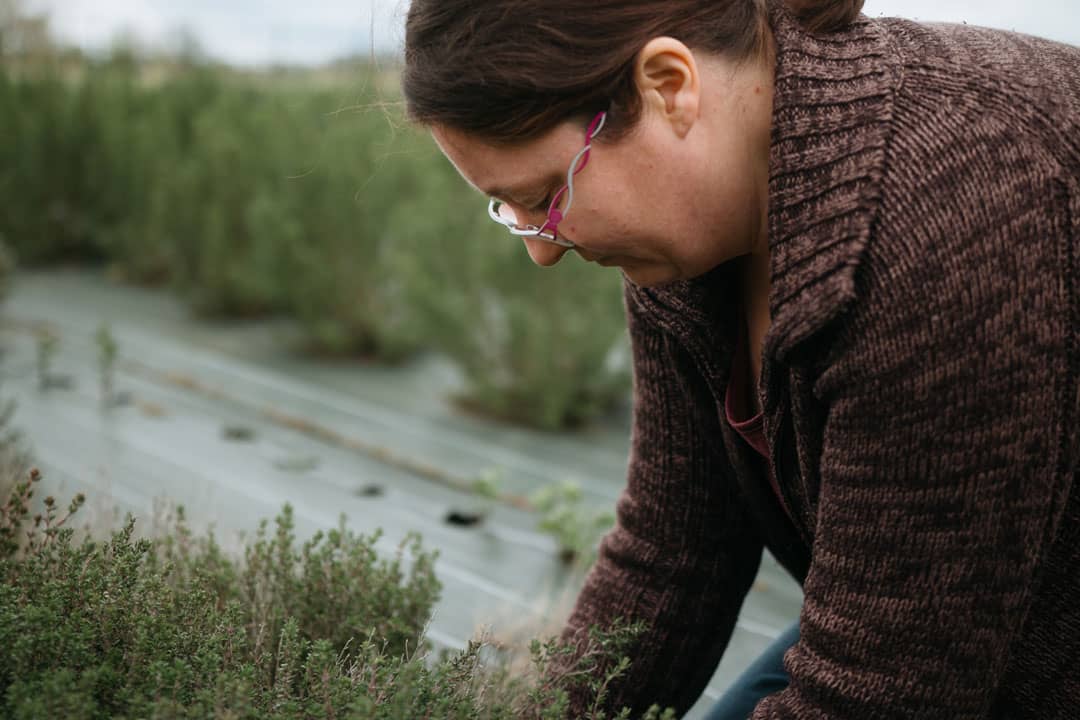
[544, 253]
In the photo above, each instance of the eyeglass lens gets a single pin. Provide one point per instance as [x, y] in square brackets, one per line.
[506, 213]
[537, 218]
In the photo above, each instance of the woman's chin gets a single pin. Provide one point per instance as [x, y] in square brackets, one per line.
[648, 274]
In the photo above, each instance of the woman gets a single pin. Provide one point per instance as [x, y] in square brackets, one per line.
[852, 283]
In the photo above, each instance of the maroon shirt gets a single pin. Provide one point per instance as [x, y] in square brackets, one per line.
[751, 428]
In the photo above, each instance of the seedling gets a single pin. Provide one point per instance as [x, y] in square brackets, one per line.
[487, 485]
[107, 351]
[46, 342]
[576, 529]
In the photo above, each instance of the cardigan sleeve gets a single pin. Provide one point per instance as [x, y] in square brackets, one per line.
[682, 554]
[948, 455]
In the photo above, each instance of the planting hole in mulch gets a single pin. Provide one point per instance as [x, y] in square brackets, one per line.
[463, 518]
[370, 490]
[238, 433]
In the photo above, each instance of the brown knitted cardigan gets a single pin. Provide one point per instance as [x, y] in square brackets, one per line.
[920, 390]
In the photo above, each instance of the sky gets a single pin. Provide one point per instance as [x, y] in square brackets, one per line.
[259, 32]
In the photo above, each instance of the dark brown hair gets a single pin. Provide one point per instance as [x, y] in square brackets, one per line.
[510, 70]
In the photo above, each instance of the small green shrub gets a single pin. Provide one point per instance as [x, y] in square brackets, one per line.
[47, 214]
[255, 196]
[576, 528]
[236, 157]
[342, 286]
[147, 241]
[172, 627]
[540, 346]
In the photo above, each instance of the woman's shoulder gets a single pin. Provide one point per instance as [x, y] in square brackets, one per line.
[983, 88]
[1009, 57]
[975, 230]
[982, 159]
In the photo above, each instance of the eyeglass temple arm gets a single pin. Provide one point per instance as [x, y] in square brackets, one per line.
[555, 215]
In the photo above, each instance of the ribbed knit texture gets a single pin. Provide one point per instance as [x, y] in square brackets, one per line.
[919, 386]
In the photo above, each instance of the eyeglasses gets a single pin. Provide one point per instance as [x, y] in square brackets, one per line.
[549, 231]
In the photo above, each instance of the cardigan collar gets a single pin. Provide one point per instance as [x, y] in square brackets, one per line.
[832, 105]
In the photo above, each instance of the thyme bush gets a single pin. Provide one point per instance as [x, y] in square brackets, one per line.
[173, 627]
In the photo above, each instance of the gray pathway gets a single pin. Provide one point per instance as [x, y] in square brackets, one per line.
[322, 431]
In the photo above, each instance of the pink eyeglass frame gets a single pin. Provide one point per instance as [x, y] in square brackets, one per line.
[549, 231]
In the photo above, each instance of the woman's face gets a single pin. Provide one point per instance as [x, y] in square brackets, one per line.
[683, 192]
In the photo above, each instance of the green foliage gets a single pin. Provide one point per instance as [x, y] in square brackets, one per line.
[7, 267]
[44, 176]
[342, 287]
[538, 346]
[488, 483]
[575, 527]
[172, 627]
[230, 269]
[335, 588]
[487, 489]
[152, 179]
[252, 197]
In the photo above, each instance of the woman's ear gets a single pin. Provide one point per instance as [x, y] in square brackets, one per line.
[667, 78]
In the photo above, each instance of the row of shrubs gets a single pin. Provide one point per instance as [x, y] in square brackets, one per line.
[308, 197]
[173, 627]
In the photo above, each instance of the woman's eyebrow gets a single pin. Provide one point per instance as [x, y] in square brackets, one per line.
[533, 189]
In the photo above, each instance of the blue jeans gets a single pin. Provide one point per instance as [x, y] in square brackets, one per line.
[762, 677]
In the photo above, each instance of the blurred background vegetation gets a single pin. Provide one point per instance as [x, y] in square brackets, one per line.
[300, 193]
